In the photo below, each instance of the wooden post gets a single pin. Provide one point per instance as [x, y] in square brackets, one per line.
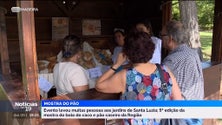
[27, 42]
[217, 33]
[166, 12]
[220, 83]
[166, 17]
[3, 44]
[188, 12]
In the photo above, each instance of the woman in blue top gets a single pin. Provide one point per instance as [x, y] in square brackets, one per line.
[145, 26]
[119, 36]
[142, 81]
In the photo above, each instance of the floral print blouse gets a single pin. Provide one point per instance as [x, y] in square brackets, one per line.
[142, 87]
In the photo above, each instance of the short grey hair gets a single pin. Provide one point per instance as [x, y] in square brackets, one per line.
[177, 31]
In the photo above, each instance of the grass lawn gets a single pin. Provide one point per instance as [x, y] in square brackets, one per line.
[206, 44]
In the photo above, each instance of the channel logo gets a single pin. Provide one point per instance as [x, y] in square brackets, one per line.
[18, 9]
[15, 9]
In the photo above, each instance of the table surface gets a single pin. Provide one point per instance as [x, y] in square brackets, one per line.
[91, 94]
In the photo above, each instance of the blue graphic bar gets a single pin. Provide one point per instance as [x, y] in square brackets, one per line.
[121, 103]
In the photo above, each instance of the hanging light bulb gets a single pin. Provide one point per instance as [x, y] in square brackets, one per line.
[74, 3]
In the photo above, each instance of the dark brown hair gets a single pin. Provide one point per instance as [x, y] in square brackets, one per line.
[116, 30]
[139, 47]
[71, 46]
[147, 24]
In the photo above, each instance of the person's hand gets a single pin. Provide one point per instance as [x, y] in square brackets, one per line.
[120, 59]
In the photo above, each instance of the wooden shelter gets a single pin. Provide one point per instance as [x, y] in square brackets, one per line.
[26, 37]
[111, 14]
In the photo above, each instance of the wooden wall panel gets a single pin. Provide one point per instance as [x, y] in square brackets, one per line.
[43, 28]
[112, 13]
[47, 49]
[45, 46]
[3, 44]
[12, 28]
[75, 26]
[14, 52]
[109, 24]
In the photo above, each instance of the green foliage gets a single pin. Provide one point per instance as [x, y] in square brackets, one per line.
[175, 10]
[205, 13]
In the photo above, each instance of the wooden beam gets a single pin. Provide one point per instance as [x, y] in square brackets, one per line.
[166, 17]
[166, 12]
[27, 42]
[61, 8]
[217, 33]
[3, 44]
[66, 8]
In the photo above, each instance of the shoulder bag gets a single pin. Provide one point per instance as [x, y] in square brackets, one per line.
[168, 121]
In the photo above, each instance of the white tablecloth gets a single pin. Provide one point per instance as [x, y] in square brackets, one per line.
[49, 78]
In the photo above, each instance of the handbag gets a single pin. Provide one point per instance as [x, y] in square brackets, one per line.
[168, 121]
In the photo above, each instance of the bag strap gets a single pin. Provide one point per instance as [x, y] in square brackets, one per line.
[163, 82]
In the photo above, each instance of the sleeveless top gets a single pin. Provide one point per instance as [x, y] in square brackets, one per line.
[143, 87]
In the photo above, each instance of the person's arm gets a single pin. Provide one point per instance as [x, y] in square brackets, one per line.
[176, 93]
[80, 88]
[108, 73]
[110, 82]
[113, 84]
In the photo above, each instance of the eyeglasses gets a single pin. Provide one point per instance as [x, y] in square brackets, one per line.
[162, 35]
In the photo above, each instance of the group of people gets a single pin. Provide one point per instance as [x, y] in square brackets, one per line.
[142, 26]
[181, 69]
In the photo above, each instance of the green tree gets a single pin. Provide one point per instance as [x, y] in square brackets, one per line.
[205, 13]
[175, 10]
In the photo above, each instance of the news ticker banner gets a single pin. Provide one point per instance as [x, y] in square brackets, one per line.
[92, 109]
